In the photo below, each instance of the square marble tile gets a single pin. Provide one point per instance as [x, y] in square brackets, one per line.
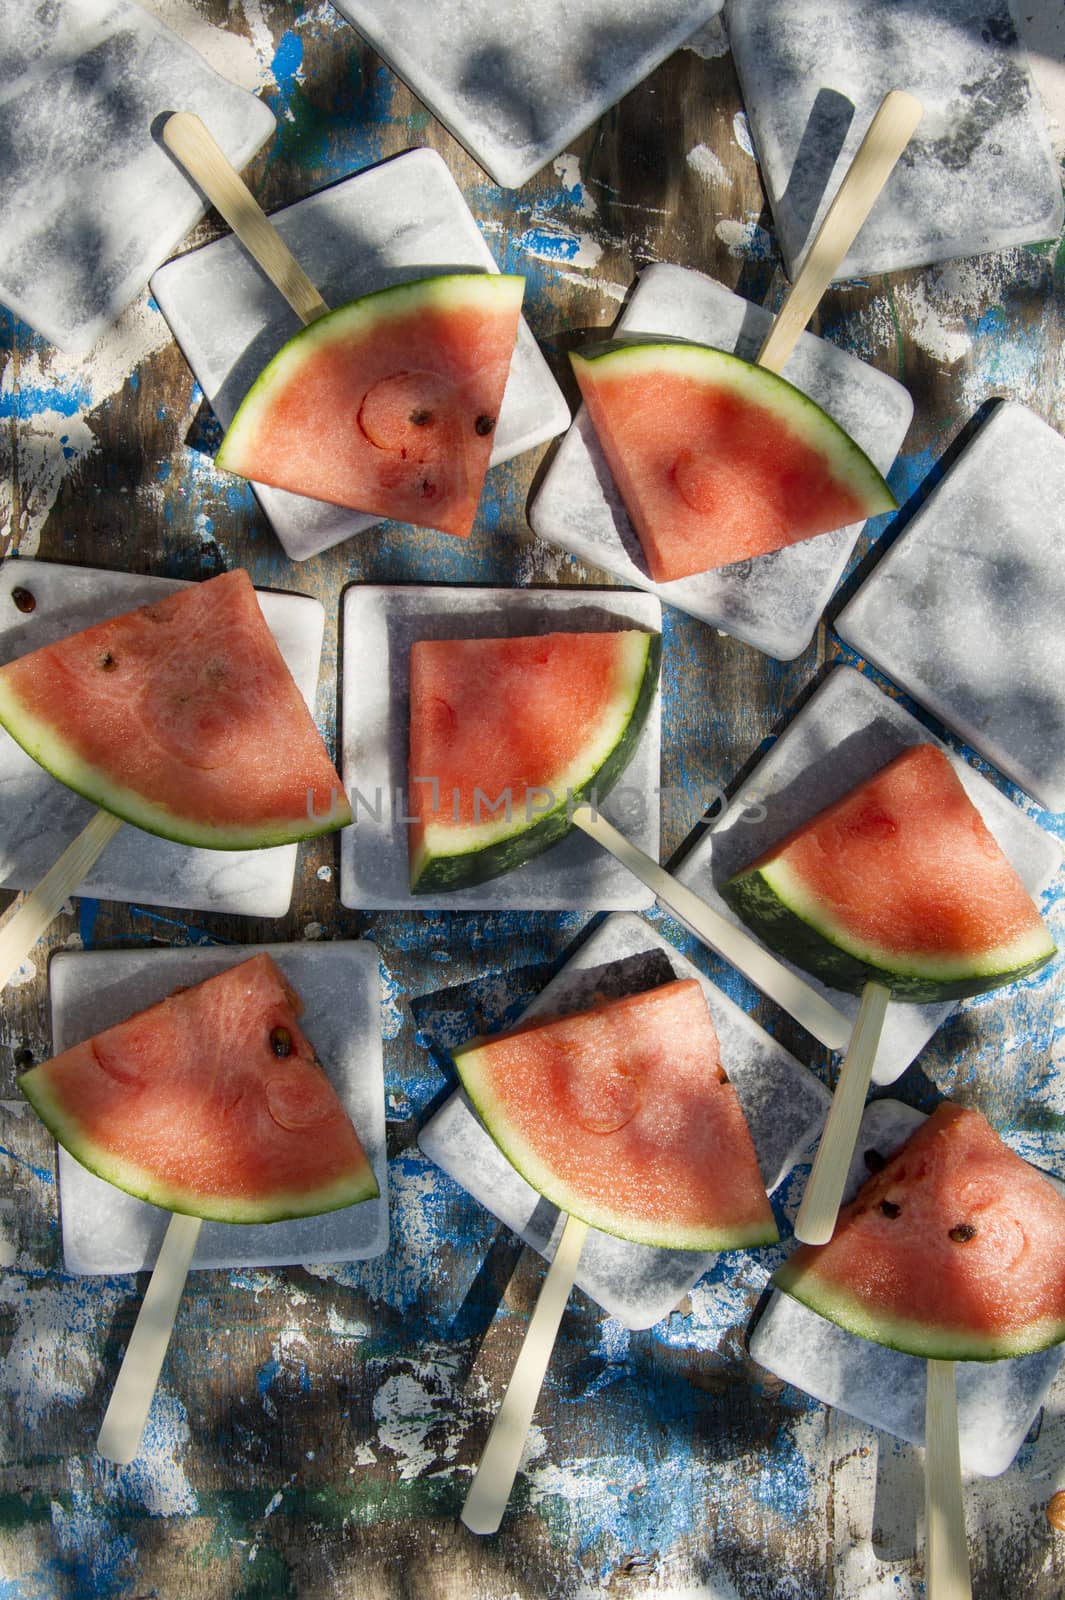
[403, 219]
[775, 601]
[843, 734]
[380, 625]
[515, 84]
[106, 1230]
[966, 611]
[785, 1106]
[997, 1400]
[978, 174]
[39, 816]
[90, 201]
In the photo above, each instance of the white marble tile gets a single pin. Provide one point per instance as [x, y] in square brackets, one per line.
[105, 1229]
[966, 611]
[380, 625]
[403, 219]
[844, 733]
[978, 174]
[775, 601]
[783, 1102]
[515, 83]
[39, 816]
[90, 201]
[997, 1400]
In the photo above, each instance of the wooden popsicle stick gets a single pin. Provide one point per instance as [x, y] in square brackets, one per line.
[946, 1550]
[28, 920]
[816, 1014]
[816, 1218]
[131, 1399]
[186, 137]
[886, 137]
[494, 1478]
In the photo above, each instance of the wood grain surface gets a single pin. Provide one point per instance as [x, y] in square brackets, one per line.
[316, 1428]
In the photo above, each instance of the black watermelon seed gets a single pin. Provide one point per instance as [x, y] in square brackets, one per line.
[107, 662]
[874, 1161]
[890, 1209]
[484, 425]
[421, 417]
[24, 600]
[281, 1041]
[963, 1233]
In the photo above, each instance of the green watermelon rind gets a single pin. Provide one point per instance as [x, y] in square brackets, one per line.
[540, 1177]
[907, 1335]
[134, 1180]
[40, 741]
[491, 851]
[401, 301]
[785, 915]
[635, 357]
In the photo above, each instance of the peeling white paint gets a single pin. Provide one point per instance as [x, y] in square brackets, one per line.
[709, 166]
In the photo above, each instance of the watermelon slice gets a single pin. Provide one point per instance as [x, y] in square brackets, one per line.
[952, 1251]
[718, 460]
[901, 882]
[389, 404]
[180, 717]
[506, 735]
[211, 1103]
[623, 1116]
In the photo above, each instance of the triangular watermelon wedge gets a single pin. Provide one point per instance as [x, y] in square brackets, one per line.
[899, 882]
[211, 1102]
[507, 735]
[952, 1251]
[389, 404]
[717, 460]
[623, 1116]
[182, 718]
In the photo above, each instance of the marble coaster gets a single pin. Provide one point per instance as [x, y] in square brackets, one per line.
[845, 733]
[966, 612]
[107, 1230]
[785, 1106]
[380, 625]
[40, 816]
[775, 601]
[997, 1400]
[401, 220]
[90, 201]
[978, 173]
[516, 83]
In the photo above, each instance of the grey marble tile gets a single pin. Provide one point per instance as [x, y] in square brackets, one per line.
[775, 601]
[40, 816]
[105, 1229]
[783, 1102]
[401, 220]
[997, 1400]
[966, 612]
[515, 83]
[380, 625]
[90, 201]
[978, 174]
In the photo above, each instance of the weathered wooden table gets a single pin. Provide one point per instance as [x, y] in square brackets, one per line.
[315, 1429]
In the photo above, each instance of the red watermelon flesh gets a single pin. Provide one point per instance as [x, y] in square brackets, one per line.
[389, 404]
[504, 735]
[953, 1251]
[211, 1102]
[183, 718]
[716, 460]
[623, 1115]
[901, 881]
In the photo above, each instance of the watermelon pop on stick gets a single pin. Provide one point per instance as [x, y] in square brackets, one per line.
[212, 1104]
[897, 889]
[386, 405]
[180, 717]
[718, 461]
[951, 1251]
[623, 1117]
